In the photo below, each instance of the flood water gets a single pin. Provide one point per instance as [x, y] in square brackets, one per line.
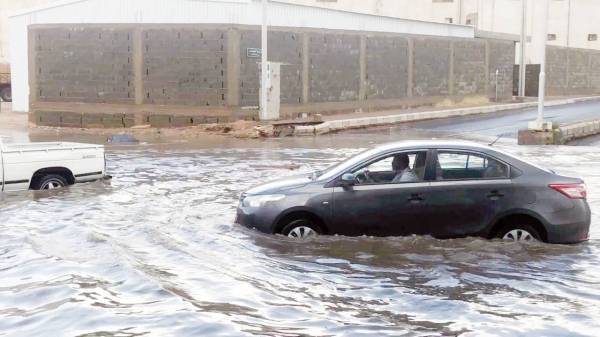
[156, 253]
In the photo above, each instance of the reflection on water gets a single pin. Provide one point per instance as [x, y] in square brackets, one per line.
[155, 253]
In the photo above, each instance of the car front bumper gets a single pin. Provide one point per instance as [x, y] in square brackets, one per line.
[256, 218]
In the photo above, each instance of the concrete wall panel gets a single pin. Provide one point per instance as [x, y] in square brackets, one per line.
[83, 64]
[469, 67]
[387, 67]
[431, 67]
[572, 71]
[334, 67]
[578, 70]
[556, 70]
[594, 75]
[185, 66]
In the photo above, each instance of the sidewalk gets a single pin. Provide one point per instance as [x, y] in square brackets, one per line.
[336, 123]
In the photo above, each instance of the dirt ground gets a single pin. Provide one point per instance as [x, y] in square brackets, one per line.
[15, 126]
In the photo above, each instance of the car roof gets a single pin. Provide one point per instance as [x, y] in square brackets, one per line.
[435, 143]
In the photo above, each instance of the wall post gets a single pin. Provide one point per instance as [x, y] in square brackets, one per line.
[567, 90]
[410, 68]
[233, 67]
[32, 37]
[589, 71]
[451, 70]
[487, 68]
[362, 88]
[305, 68]
[138, 65]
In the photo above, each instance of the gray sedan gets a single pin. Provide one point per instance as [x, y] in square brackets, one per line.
[446, 189]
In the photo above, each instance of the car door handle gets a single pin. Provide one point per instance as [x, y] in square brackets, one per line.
[495, 195]
[415, 198]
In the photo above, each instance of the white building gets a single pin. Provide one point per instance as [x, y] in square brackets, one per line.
[7, 7]
[572, 23]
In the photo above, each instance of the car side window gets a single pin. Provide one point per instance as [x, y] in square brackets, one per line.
[384, 165]
[453, 165]
[405, 167]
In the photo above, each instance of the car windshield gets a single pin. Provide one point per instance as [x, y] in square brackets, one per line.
[343, 166]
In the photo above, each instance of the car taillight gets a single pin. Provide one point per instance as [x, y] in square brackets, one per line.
[572, 191]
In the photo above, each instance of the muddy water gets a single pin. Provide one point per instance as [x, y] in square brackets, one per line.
[156, 253]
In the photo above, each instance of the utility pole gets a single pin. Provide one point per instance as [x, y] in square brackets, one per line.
[522, 67]
[493, 15]
[542, 31]
[569, 25]
[263, 66]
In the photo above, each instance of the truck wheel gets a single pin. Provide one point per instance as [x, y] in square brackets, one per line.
[49, 182]
[6, 94]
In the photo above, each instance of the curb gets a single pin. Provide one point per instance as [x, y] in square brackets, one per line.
[579, 130]
[353, 123]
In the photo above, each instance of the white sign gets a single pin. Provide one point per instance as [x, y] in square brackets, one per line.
[253, 53]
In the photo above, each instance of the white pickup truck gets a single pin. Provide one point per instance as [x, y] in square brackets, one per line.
[42, 166]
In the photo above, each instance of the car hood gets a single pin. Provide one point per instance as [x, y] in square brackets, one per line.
[280, 185]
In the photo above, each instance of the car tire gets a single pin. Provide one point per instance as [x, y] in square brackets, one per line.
[6, 94]
[519, 233]
[49, 182]
[301, 229]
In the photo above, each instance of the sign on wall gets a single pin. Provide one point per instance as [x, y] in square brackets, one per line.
[253, 53]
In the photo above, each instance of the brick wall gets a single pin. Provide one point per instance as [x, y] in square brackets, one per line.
[469, 67]
[185, 66]
[431, 67]
[83, 65]
[387, 67]
[594, 71]
[556, 70]
[334, 67]
[572, 71]
[204, 67]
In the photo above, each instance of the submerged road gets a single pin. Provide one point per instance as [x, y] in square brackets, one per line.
[507, 124]
[155, 251]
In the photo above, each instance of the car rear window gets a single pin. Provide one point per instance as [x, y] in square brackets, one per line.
[454, 165]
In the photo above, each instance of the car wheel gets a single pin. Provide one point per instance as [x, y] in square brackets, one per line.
[50, 182]
[301, 229]
[519, 233]
[6, 94]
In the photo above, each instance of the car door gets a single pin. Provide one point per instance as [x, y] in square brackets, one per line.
[469, 189]
[1, 168]
[381, 207]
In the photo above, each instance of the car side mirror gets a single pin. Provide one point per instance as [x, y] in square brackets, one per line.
[348, 179]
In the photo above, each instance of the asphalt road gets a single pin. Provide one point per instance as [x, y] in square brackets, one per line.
[507, 124]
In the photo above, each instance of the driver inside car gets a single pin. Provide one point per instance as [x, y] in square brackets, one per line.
[402, 171]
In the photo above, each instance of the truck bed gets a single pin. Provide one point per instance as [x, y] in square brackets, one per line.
[31, 147]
